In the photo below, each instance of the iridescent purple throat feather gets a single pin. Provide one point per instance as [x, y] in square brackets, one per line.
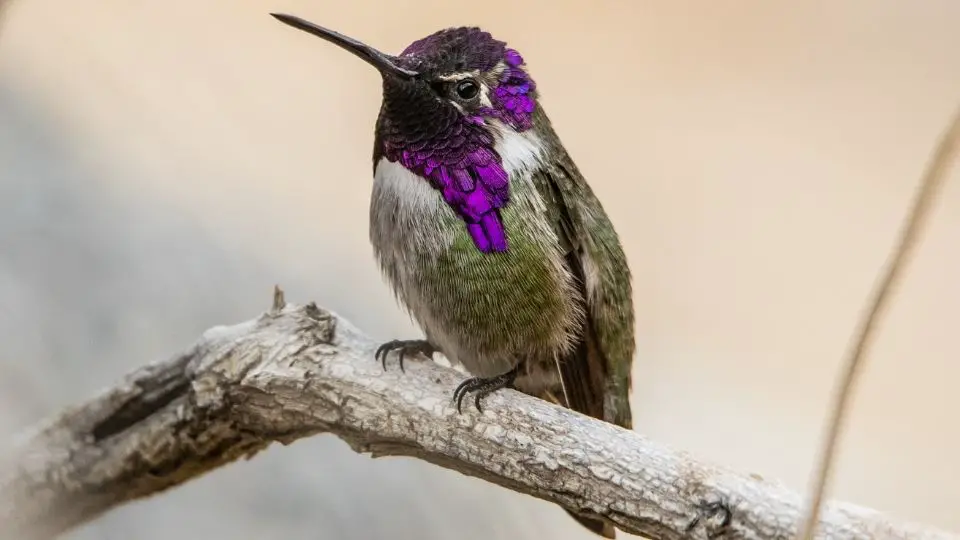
[453, 151]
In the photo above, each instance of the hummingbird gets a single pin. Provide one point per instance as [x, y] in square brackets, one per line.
[488, 233]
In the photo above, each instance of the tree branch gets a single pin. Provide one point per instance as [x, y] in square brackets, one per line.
[298, 370]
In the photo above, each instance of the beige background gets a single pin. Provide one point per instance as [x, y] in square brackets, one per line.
[162, 164]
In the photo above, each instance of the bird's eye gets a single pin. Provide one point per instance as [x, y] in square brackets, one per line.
[467, 89]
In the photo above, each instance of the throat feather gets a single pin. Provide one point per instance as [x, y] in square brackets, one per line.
[477, 186]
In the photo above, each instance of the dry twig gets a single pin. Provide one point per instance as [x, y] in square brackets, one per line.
[929, 188]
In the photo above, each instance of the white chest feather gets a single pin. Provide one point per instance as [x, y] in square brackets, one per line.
[410, 223]
[520, 152]
[407, 212]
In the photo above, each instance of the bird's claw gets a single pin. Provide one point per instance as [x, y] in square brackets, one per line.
[405, 348]
[484, 386]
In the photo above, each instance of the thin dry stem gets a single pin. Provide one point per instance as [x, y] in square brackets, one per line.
[929, 188]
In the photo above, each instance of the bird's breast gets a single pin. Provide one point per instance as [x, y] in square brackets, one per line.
[484, 310]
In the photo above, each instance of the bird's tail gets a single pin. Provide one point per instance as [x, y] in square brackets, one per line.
[596, 526]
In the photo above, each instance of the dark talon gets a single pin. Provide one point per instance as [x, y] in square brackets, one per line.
[457, 396]
[381, 354]
[484, 387]
[404, 347]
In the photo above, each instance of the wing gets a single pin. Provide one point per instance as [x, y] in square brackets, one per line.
[596, 376]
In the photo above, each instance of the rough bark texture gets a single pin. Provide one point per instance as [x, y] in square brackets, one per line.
[299, 370]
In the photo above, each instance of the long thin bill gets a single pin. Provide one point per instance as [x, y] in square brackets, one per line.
[383, 62]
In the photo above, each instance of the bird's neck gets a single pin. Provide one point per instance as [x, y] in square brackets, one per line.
[520, 152]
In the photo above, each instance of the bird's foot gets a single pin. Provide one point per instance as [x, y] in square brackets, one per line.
[406, 347]
[484, 386]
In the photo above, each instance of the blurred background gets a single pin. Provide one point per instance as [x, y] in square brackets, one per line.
[163, 164]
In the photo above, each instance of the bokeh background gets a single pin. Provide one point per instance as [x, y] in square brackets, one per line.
[163, 164]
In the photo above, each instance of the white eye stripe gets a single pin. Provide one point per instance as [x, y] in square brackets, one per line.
[485, 96]
[498, 69]
[458, 76]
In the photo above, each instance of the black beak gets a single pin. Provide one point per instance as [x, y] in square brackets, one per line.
[383, 62]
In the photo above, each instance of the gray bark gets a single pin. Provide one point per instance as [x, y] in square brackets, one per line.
[297, 371]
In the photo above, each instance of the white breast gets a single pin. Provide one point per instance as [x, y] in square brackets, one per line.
[411, 226]
[405, 211]
[393, 180]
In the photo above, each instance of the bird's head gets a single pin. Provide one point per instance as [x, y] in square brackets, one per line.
[448, 98]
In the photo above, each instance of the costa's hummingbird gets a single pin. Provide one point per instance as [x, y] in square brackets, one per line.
[489, 235]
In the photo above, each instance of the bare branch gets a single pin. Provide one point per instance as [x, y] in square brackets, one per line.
[298, 370]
